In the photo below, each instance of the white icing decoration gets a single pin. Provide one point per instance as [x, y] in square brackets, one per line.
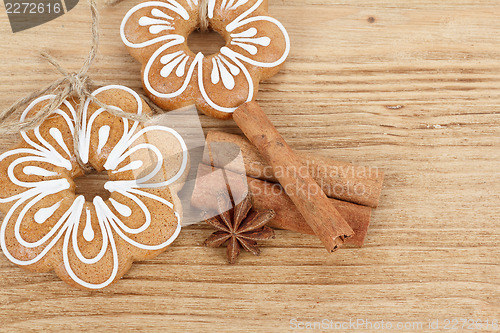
[192, 3]
[169, 67]
[85, 130]
[215, 77]
[56, 134]
[143, 21]
[131, 166]
[169, 4]
[249, 48]
[226, 59]
[210, 8]
[264, 41]
[161, 23]
[158, 28]
[234, 69]
[121, 208]
[237, 4]
[103, 137]
[181, 69]
[189, 74]
[247, 33]
[46, 150]
[227, 78]
[158, 13]
[169, 57]
[204, 93]
[88, 232]
[243, 20]
[44, 213]
[67, 226]
[229, 4]
[37, 171]
[223, 6]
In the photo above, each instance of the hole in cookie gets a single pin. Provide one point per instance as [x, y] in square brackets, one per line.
[92, 185]
[207, 42]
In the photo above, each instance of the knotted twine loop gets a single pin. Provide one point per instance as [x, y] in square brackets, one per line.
[75, 84]
[203, 13]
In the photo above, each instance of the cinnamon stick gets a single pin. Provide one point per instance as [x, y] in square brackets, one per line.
[340, 180]
[306, 194]
[266, 195]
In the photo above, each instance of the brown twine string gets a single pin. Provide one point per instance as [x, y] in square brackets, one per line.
[76, 84]
[112, 2]
[203, 12]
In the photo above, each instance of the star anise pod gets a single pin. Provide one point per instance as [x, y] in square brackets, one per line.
[239, 227]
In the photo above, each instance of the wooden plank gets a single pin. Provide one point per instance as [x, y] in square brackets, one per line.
[409, 86]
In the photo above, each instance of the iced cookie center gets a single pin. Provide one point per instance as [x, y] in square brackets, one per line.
[92, 185]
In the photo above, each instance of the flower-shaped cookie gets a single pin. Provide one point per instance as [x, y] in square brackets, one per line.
[91, 244]
[155, 33]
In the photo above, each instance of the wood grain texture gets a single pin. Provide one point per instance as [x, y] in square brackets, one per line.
[412, 87]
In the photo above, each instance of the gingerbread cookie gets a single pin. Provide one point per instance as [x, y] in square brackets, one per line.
[91, 244]
[156, 32]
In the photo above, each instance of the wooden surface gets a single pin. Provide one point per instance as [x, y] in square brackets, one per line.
[409, 86]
